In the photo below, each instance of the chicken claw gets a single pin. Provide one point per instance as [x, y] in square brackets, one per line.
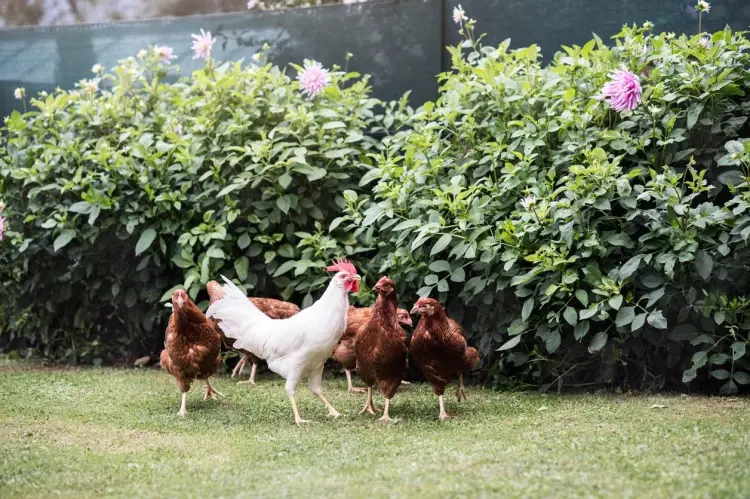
[443, 415]
[369, 405]
[211, 393]
[351, 388]
[354, 390]
[183, 406]
[461, 391]
[386, 418]
[333, 413]
[300, 421]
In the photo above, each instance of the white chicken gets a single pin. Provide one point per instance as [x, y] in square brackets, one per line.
[296, 347]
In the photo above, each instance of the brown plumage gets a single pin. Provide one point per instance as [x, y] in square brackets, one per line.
[381, 348]
[192, 347]
[438, 347]
[344, 352]
[275, 309]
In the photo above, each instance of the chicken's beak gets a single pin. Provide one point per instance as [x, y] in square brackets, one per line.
[414, 310]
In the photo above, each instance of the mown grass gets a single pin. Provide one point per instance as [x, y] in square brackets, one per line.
[115, 432]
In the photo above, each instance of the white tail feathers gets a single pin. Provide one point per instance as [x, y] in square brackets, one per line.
[240, 319]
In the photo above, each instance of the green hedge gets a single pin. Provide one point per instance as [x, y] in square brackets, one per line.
[588, 246]
[580, 245]
[117, 196]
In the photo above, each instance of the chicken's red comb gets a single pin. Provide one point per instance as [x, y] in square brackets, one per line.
[342, 265]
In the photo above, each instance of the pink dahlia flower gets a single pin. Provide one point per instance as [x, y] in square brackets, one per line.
[166, 54]
[202, 45]
[622, 91]
[313, 78]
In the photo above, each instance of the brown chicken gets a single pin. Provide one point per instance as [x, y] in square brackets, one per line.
[192, 347]
[344, 352]
[381, 348]
[438, 347]
[275, 309]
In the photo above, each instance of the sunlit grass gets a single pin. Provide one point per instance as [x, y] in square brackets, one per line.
[116, 432]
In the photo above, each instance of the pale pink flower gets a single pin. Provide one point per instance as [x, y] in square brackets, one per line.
[703, 6]
[166, 54]
[459, 15]
[2, 227]
[97, 68]
[622, 91]
[528, 202]
[19, 93]
[705, 42]
[313, 78]
[202, 45]
[251, 4]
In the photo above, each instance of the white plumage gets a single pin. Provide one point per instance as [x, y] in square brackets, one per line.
[296, 347]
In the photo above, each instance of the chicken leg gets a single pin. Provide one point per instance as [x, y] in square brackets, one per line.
[351, 388]
[386, 418]
[461, 391]
[211, 393]
[443, 414]
[315, 382]
[237, 371]
[250, 381]
[183, 406]
[291, 387]
[369, 405]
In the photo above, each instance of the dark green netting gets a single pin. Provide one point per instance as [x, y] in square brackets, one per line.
[397, 42]
[400, 43]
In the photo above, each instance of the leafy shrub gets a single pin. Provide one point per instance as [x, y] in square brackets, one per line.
[116, 196]
[585, 245]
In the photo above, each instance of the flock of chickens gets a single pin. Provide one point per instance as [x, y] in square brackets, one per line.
[296, 343]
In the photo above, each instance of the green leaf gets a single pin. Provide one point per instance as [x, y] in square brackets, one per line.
[694, 112]
[638, 322]
[144, 242]
[553, 341]
[738, 350]
[657, 320]
[528, 307]
[583, 297]
[443, 285]
[571, 316]
[704, 264]
[244, 241]
[441, 244]
[284, 204]
[581, 330]
[589, 312]
[440, 266]
[741, 377]
[331, 125]
[215, 252]
[615, 302]
[510, 343]
[285, 180]
[720, 374]
[63, 239]
[241, 266]
[598, 342]
[285, 267]
[625, 316]
[630, 267]
[407, 224]
[458, 275]
[689, 375]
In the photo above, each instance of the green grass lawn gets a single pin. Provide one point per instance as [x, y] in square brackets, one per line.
[113, 432]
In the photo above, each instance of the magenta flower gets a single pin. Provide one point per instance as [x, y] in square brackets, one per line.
[166, 54]
[622, 91]
[313, 78]
[202, 45]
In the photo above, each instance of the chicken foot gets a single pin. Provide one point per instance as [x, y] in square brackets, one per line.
[386, 418]
[250, 381]
[443, 414]
[369, 405]
[316, 386]
[351, 387]
[461, 391]
[211, 392]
